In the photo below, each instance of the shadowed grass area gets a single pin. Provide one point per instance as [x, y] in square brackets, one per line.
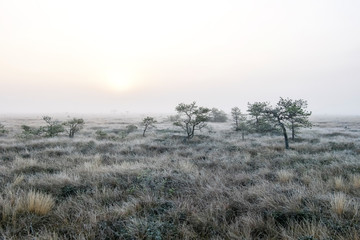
[214, 186]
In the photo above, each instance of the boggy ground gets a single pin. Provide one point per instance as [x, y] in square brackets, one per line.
[215, 186]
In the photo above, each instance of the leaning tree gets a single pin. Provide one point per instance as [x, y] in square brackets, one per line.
[287, 112]
[147, 123]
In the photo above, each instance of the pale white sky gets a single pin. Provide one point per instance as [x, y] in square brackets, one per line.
[148, 56]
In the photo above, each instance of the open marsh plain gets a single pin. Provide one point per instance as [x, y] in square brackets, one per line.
[108, 184]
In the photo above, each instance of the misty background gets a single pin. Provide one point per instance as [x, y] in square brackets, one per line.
[148, 56]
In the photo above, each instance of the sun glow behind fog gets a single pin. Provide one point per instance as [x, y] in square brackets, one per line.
[119, 82]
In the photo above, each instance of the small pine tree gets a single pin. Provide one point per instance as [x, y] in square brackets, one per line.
[74, 125]
[239, 120]
[298, 115]
[288, 111]
[259, 122]
[191, 118]
[147, 123]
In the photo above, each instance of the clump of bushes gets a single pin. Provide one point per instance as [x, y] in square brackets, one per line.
[130, 128]
[217, 115]
[116, 134]
[28, 131]
[102, 135]
[53, 128]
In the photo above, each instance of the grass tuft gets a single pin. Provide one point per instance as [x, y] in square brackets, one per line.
[39, 203]
[339, 184]
[339, 203]
[355, 181]
[285, 176]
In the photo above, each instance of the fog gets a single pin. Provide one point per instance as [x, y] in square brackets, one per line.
[148, 56]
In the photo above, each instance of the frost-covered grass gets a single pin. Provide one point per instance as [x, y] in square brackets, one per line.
[215, 186]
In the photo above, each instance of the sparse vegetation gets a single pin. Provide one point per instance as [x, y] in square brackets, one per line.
[101, 185]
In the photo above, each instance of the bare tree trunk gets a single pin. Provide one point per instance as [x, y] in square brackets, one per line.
[192, 132]
[285, 136]
[188, 131]
[145, 130]
[292, 131]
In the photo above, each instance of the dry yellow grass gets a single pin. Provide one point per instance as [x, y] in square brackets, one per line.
[355, 181]
[339, 203]
[339, 184]
[39, 203]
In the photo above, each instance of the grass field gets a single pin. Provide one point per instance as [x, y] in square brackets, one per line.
[214, 186]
